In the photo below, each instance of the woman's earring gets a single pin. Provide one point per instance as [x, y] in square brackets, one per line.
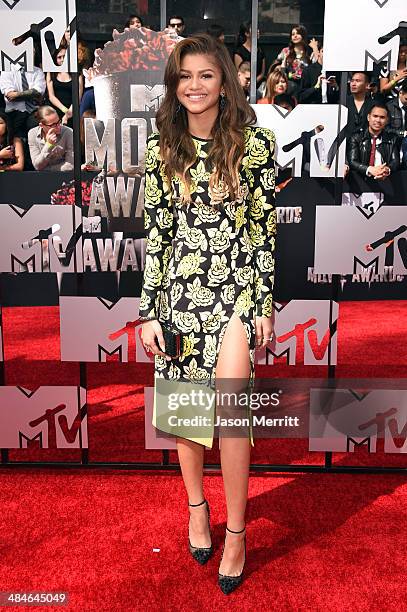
[222, 103]
[177, 112]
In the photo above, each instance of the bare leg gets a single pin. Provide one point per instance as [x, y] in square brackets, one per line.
[191, 455]
[234, 363]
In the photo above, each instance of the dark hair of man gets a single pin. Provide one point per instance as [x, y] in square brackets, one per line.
[379, 105]
[404, 87]
[285, 99]
[244, 67]
[215, 30]
[367, 75]
[181, 19]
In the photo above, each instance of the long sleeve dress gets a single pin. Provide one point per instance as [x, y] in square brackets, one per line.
[208, 263]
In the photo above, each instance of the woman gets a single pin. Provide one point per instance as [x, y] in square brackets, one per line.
[134, 21]
[11, 147]
[243, 51]
[391, 85]
[295, 57]
[85, 59]
[277, 84]
[59, 88]
[210, 223]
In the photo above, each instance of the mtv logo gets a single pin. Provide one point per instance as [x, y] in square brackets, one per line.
[304, 332]
[50, 417]
[42, 20]
[93, 329]
[366, 200]
[154, 439]
[310, 138]
[145, 98]
[43, 238]
[9, 64]
[349, 239]
[349, 47]
[342, 420]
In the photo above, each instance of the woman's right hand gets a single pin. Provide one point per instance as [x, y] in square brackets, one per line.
[7, 153]
[402, 74]
[153, 339]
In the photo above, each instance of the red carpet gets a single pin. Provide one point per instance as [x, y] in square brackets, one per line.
[315, 542]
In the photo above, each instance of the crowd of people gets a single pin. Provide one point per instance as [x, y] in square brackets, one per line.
[36, 108]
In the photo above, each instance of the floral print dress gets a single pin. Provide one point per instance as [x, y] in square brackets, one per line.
[209, 261]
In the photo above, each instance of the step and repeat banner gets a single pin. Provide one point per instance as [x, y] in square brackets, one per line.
[329, 227]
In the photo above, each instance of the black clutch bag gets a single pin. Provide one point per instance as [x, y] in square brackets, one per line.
[172, 339]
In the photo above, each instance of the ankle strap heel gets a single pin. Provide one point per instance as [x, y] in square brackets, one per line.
[231, 531]
[202, 555]
[196, 505]
[228, 584]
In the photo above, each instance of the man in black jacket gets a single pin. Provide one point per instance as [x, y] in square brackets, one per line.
[374, 152]
[398, 111]
[359, 102]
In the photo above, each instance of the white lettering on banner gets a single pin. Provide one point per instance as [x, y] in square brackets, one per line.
[289, 214]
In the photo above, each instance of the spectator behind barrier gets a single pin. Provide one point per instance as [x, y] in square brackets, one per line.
[85, 56]
[359, 102]
[317, 86]
[243, 51]
[11, 147]
[51, 144]
[216, 31]
[374, 151]
[398, 111]
[277, 83]
[243, 74]
[59, 87]
[295, 57]
[177, 23]
[134, 21]
[285, 101]
[23, 92]
[390, 86]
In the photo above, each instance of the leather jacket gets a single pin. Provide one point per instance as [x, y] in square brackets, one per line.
[396, 115]
[359, 147]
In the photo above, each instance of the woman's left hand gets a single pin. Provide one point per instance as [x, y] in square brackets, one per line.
[264, 331]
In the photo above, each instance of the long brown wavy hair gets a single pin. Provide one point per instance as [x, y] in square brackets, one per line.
[177, 148]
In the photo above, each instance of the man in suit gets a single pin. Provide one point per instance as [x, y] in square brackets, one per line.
[374, 152]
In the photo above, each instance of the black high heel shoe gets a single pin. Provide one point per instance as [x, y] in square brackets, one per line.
[229, 583]
[202, 555]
